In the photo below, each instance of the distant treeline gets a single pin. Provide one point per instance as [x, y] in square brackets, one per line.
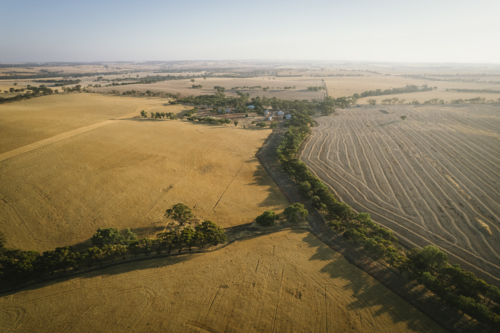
[60, 83]
[485, 91]
[318, 88]
[61, 74]
[408, 89]
[109, 244]
[32, 92]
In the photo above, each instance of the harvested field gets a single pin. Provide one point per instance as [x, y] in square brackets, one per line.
[29, 121]
[432, 178]
[126, 173]
[184, 87]
[284, 282]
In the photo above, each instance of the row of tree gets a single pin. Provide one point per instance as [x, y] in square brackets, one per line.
[108, 244]
[429, 266]
[408, 89]
[211, 120]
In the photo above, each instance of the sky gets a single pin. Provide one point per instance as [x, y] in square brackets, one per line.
[380, 31]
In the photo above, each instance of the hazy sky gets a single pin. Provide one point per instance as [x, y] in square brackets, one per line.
[383, 30]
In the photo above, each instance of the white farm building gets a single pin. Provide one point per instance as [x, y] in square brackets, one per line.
[288, 116]
[280, 113]
[251, 107]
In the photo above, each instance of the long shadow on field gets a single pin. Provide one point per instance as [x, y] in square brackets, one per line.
[106, 270]
[369, 294]
[261, 178]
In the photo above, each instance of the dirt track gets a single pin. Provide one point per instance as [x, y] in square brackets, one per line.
[432, 178]
[447, 317]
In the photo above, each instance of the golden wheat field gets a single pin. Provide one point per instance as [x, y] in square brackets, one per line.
[126, 173]
[29, 121]
[284, 282]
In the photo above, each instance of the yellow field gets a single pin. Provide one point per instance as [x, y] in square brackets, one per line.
[29, 121]
[284, 282]
[126, 173]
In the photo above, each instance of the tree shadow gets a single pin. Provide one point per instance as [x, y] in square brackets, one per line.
[262, 178]
[369, 294]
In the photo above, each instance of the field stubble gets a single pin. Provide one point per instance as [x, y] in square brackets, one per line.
[432, 178]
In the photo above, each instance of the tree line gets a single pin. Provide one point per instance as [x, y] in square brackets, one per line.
[428, 266]
[31, 93]
[408, 89]
[59, 83]
[108, 244]
[486, 91]
[317, 88]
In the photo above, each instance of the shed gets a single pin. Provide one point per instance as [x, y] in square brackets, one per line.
[251, 107]
[270, 118]
[266, 112]
[280, 113]
[219, 111]
[228, 110]
[288, 116]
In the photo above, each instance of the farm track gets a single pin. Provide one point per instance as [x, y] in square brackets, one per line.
[62, 136]
[433, 178]
[417, 296]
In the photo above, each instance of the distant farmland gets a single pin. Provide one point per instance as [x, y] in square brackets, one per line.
[433, 177]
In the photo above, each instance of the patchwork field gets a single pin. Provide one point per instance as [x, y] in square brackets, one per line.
[184, 87]
[284, 282]
[126, 173]
[432, 178]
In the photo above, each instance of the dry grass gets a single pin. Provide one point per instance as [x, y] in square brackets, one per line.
[29, 121]
[126, 174]
[284, 282]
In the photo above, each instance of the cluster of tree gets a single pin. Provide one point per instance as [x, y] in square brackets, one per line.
[108, 244]
[434, 101]
[247, 87]
[77, 88]
[293, 213]
[486, 91]
[389, 101]
[476, 100]
[60, 83]
[197, 86]
[31, 93]
[316, 88]
[159, 115]
[261, 124]
[408, 89]
[429, 266]
[211, 120]
[220, 89]
[191, 112]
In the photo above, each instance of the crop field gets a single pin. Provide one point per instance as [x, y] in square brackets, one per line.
[29, 121]
[184, 87]
[433, 177]
[283, 282]
[126, 173]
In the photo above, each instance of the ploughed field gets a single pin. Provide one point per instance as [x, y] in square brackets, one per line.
[283, 282]
[433, 178]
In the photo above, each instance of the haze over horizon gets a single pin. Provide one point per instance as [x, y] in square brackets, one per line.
[383, 31]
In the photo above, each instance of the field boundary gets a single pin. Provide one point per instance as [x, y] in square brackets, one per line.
[446, 316]
[235, 234]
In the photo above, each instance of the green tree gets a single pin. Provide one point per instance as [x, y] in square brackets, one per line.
[3, 241]
[274, 124]
[107, 236]
[261, 124]
[236, 123]
[267, 218]
[188, 237]
[296, 212]
[403, 117]
[372, 102]
[209, 233]
[180, 213]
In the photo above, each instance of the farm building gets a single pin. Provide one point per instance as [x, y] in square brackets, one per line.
[251, 107]
[270, 118]
[280, 113]
[266, 112]
[288, 116]
[228, 110]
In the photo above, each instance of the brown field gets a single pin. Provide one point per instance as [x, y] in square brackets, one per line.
[284, 282]
[126, 173]
[432, 178]
[184, 87]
